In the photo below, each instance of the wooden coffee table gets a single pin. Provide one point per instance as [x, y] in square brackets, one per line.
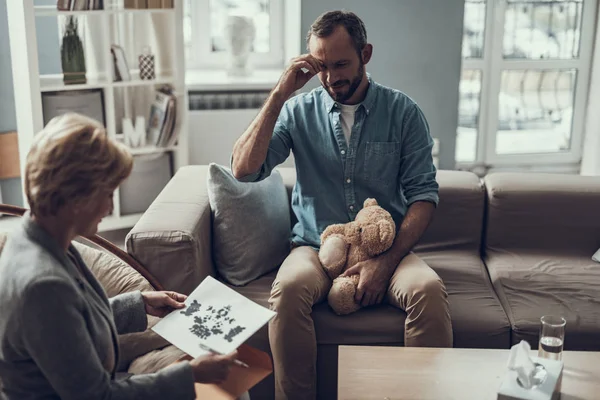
[426, 373]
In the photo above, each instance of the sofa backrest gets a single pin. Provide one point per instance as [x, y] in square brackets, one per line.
[458, 220]
[457, 223]
[543, 212]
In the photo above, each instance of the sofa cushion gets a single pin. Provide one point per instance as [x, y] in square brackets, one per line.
[477, 316]
[251, 225]
[542, 230]
[114, 275]
[478, 319]
[530, 285]
[155, 360]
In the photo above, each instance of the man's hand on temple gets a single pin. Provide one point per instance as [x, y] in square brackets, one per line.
[375, 275]
[294, 77]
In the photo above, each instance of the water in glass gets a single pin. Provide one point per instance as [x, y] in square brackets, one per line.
[552, 337]
[551, 348]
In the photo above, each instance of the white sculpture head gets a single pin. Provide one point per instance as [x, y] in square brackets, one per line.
[240, 34]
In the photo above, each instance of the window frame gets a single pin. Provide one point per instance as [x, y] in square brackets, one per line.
[492, 64]
[202, 57]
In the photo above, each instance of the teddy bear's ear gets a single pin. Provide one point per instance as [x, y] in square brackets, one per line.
[370, 202]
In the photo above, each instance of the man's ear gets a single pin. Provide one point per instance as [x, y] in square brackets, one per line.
[366, 53]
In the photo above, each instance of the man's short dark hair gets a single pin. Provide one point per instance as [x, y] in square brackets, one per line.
[329, 21]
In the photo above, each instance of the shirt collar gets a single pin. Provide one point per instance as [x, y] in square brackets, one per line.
[367, 103]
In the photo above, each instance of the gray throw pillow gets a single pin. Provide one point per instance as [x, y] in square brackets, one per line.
[251, 224]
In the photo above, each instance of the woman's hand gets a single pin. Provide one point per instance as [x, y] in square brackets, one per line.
[212, 368]
[159, 304]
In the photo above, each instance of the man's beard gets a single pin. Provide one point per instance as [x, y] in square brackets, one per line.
[344, 96]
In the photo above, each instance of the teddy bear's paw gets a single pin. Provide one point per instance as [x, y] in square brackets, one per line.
[333, 255]
[341, 296]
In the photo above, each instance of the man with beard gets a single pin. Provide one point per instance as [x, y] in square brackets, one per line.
[352, 139]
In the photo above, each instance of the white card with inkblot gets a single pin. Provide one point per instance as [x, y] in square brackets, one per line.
[596, 256]
[216, 319]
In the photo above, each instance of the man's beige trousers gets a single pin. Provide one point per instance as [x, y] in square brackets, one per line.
[301, 282]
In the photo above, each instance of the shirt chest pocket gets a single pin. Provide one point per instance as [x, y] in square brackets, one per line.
[382, 161]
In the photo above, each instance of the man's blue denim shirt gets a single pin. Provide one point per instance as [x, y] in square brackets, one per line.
[388, 158]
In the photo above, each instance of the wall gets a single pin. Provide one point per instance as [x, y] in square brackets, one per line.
[416, 49]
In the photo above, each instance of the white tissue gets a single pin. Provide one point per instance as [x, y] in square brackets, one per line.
[595, 257]
[519, 361]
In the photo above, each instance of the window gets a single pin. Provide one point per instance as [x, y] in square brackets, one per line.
[204, 31]
[525, 75]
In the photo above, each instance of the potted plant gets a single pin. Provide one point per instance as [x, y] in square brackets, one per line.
[72, 55]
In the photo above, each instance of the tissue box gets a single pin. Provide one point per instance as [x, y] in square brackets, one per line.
[510, 389]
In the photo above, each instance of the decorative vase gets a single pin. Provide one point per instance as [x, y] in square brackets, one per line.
[146, 63]
[72, 54]
[240, 33]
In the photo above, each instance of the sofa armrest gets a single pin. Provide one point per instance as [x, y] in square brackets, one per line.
[173, 239]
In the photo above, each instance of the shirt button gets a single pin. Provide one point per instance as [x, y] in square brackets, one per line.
[351, 208]
[348, 180]
[343, 152]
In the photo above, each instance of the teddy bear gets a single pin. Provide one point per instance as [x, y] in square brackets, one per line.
[343, 245]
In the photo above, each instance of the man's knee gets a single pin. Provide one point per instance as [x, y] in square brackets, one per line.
[433, 290]
[290, 294]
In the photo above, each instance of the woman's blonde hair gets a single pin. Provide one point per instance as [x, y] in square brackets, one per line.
[72, 158]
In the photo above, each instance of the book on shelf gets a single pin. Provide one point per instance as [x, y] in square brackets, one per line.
[162, 122]
[142, 4]
[63, 5]
[135, 4]
[154, 3]
[120, 63]
[79, 5]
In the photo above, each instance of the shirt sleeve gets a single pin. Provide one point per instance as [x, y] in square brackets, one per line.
[279, 146]
[129, 312]
[55, 334]
[417, 172]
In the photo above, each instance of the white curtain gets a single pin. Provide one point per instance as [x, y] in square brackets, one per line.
[590, 163]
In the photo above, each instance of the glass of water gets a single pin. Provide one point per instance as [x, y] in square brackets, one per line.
[552, 337]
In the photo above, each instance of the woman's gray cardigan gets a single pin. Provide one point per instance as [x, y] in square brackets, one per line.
[58, 331]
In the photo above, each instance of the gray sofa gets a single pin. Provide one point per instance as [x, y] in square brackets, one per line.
[510, 248]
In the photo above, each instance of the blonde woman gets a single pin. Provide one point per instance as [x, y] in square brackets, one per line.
[58, 330]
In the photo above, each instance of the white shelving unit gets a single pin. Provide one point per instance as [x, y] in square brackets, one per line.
[132, 29]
